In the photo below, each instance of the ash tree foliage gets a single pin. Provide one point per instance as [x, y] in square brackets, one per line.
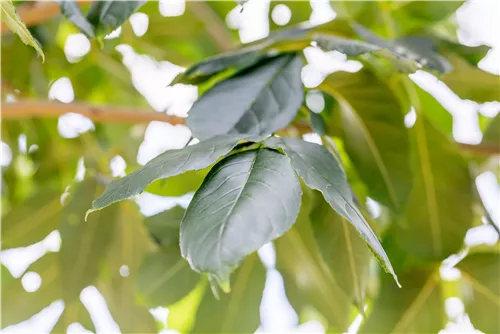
[254, 180]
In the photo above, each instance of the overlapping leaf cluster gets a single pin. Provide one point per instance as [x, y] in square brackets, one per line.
[256, 181]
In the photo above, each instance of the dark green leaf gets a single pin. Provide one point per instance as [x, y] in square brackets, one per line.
[318, 124]
[416, 308]
[439, 210]
[471, 83]
[167, 164]
[307, 280]
[472, 54]
[32, 220]
[164, 226]
[71, 10]
[239, 311]
[106, 16]
[165, 277]
[247, 200]
[417, 49]
[480, 271]
[129, 245]
[15, 23]
[342, 249]
[84, 243]
[321, 171]
[374, 134]
[259, 101]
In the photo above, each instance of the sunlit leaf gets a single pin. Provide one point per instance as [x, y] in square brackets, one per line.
[247, 200]
[416, 308]
[471, 83]
[342, 249]
[439, 209]
[84, 243]
[19, 305]
[239, 311]
[178, 185]
[31, 221]
[256, 102]
[14, 22]
[165, 277]
[129, 244]
[374, 134]
[321, 171]
[480, 272]
[307, 281]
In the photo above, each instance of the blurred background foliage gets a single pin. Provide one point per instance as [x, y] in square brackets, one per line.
[418, 187]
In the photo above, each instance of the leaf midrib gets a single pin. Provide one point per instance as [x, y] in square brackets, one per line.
[266, 86]
[427, 176]
[230, 211]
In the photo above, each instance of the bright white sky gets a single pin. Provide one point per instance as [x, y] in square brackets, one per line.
[479, 22]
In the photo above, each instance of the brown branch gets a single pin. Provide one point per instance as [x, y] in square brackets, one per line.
[100, 114]
[109, 114]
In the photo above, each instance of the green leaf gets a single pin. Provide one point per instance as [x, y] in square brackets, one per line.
[129, 245]
[321, 171]
[412, 15]
[178, 185]
[167, 164]
[471, 83]
[439, 210]
[341, 248]
[165, 277]
[84, 243]
[164, 226]
[259, 101]
[106, 16]
[247, 200]
[71, 10]
[19, 305]
[435, 112]
[482, 304]
[318, 124]
[32, 220]
[417, 308]
[14, 22]
[419, 49]
[307, 280]
[182, 314]
[491, 134]
[239, 311]
[74, 311]
[374, 134]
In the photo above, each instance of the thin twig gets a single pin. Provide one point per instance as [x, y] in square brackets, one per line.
[100, 114]
[110, 114]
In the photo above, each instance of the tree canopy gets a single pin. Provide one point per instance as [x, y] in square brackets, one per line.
[350, 170]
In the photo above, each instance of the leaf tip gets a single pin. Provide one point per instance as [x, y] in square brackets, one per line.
[89, 211]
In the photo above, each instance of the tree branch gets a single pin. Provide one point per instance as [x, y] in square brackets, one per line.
[99, 114]
[110, 114]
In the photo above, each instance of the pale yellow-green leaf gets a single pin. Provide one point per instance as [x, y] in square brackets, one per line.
[14, 22]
